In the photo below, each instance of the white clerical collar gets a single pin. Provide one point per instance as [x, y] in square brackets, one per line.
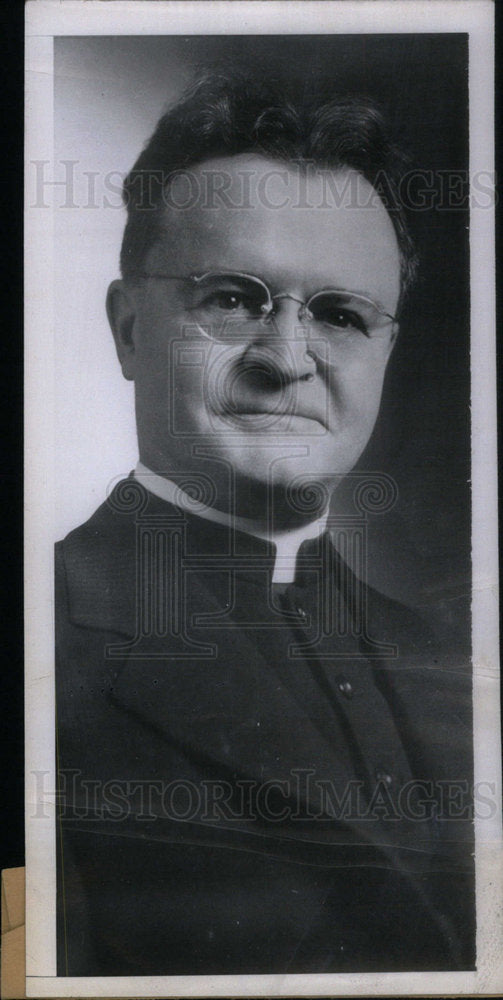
[287, 543]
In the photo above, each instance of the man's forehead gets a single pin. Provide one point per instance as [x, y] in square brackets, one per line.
[250, 212]
[247, 179]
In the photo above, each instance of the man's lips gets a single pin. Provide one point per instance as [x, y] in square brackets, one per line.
[262, 410]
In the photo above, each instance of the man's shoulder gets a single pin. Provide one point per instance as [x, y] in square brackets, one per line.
[96, 579]
[95, 564]
[109, 518]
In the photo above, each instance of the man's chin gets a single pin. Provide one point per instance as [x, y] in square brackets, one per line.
[280, 471]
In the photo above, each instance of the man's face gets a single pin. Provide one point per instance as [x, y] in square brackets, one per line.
[269, 403]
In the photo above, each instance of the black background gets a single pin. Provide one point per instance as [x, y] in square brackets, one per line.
[423, 438]
[420, 551]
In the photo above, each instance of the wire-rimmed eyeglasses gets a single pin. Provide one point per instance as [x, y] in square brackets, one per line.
[230, 304]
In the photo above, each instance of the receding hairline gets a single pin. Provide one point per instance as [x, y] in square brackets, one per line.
[230, 115]
[171, 220]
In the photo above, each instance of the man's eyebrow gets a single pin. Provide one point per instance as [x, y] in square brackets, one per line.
[199, 272]
[333, 286]
[364, 294]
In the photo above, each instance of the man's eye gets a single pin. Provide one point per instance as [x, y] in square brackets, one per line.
[228, 301]
[341, 319]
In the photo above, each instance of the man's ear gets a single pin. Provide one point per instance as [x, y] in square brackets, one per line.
[122, 312]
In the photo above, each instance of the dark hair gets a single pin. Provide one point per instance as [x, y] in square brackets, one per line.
[224, 114]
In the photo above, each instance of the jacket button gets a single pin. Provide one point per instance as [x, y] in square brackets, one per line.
[383, 776]
[345, 687]
[301, 613]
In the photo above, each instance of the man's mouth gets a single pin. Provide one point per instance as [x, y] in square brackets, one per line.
[271, 414]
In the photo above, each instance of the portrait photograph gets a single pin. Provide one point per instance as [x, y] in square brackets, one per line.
[263, 737]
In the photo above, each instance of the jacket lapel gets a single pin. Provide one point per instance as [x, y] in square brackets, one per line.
[228, 704]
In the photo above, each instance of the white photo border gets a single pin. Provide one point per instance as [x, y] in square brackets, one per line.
[44, 20]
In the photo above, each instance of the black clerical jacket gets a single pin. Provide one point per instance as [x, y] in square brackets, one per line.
[252, 779]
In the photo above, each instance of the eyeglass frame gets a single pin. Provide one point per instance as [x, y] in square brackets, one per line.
[267, 310]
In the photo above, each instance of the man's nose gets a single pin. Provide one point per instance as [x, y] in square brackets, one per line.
[281, 348]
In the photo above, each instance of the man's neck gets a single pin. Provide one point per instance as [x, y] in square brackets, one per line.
[287, 540]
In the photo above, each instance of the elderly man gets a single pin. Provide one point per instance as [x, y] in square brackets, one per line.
[258, 753]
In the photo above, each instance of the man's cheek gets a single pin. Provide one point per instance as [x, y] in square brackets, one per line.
[364, 384]
[186, 385]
